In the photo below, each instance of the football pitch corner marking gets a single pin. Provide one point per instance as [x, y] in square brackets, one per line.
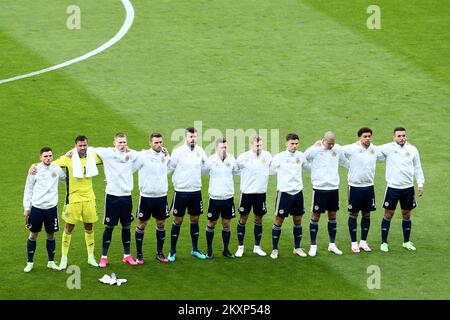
[122, 32]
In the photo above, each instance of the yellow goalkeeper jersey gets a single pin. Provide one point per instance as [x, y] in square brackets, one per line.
[78, 189]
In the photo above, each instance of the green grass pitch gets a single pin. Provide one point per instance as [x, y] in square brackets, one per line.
[306, 66]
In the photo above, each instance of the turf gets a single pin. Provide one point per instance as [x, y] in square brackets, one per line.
[302, 66]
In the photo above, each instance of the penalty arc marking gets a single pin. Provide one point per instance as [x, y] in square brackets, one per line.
[125, 27]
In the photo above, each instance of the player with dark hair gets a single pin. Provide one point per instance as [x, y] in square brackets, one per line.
[187, 162]
[152, 166]
[40, 202]
[362, 157]
[288, 166]
[402, 166]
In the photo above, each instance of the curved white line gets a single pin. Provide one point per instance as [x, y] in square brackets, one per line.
[125, 27]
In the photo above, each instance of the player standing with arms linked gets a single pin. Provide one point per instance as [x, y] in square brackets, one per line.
[362, 156]
[221, 167]
[40, 202]
[187, 162]
[288, 166]
[254, 166]
[152, 166]
[402, 165]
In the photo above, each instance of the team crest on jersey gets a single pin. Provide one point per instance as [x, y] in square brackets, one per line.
[163, 160]
[241, 209]
[127, 158]
[228, 165]
[298, 161]
[209, 214]
[281, 211]
[333, 154]
[263, 161]
[198, 155]
[53, 174]
[372, 151]
[407, 154]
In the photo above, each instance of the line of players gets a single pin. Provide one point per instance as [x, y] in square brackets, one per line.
[189, 162]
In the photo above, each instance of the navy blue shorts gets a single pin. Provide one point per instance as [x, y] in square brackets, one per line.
[325, 200]
[255, 200]
[405, 196]
[118, 208]
[221, 208]
[287, 204]
[48, 217]
[361, 199]
[153, 207]
[192, 201]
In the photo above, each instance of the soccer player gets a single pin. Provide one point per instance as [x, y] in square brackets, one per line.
[402, 165]
[254, 170]
[40, 202]
[153, 185]
[325, 158]
[288, 166]
[118, 162]
[221, 167]
[362, 156]
[187, 162]
[81, 165]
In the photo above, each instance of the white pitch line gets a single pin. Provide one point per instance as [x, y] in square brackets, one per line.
[125, 27]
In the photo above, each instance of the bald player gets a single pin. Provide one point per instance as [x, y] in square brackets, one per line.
[325, 158]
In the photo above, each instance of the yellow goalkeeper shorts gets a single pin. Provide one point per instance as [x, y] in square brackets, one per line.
[84, 211]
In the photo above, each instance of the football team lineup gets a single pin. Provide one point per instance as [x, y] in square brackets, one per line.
[262, 194]
[188, 163]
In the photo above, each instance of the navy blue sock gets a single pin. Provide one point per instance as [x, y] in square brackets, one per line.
[51, 246]
[107, 236]
[174, 234]
[385, 224]
[160, 237]
[194, 235]
[226, 235]
[365, 225]
[276, 233]
[258, 233]
[31, 248]
[240, 233]
[332, 230]
[352, 226]
[209, 239]
[313, 228]
[126, 239]
[406, 225]
[297, 231]
[139, 236]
